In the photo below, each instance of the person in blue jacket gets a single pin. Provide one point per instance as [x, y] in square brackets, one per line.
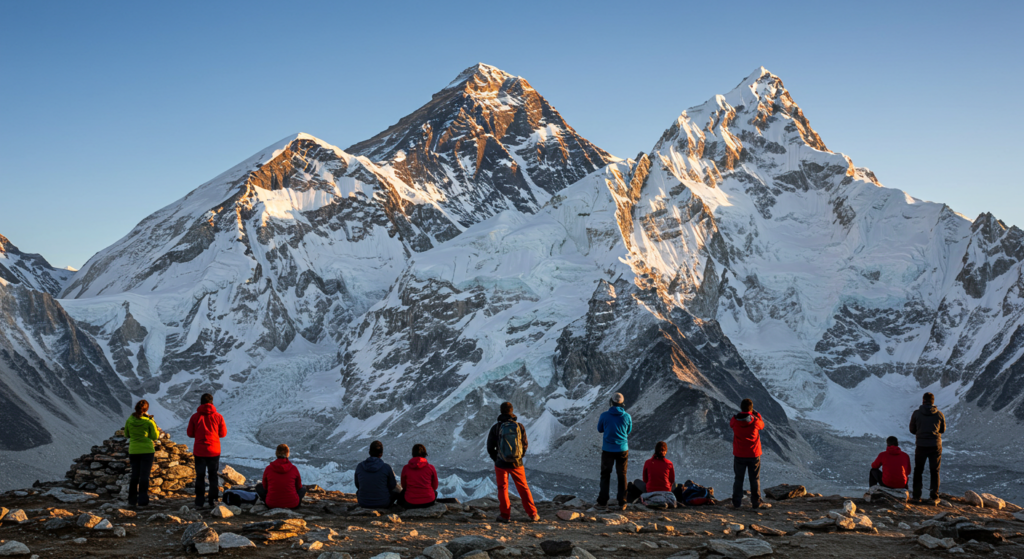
[616, 426]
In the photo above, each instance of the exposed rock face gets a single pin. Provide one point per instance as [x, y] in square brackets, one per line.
[486, 143]
[56, 385]
[30, 270]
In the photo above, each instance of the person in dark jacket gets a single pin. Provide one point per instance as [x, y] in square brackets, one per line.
[281, 487]
[207, 427]
[419, 481]
[746, 451]
[375, 480]
[928, 424]
[616, 425]
[891, 468]
[506, 445]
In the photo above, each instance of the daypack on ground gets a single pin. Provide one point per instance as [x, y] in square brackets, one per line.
[692, 495]
[236, 497]
[510, 448]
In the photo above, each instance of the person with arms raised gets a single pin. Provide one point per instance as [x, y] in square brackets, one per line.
[928, 424]
[281, 487]
[616, 425]
[207, 427]
[375, 480]
[506, 445]
[746, 451]
[141, 431]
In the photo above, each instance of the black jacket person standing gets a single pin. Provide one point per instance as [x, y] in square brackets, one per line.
[928, 424]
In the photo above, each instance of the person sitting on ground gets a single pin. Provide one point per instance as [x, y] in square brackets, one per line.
[419, 481]
[375, 480]
[659, 479]
[892, 467]
[282, 485]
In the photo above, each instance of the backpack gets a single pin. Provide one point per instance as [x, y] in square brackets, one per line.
[510, 447]
[695, 495]
[236, 498]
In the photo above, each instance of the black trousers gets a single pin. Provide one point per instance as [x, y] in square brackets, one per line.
[934, 458]
[751, 467]
[207, 467]
[619, 461]
[635, 488]
[138, 482]
[261, 492]
[407, 505]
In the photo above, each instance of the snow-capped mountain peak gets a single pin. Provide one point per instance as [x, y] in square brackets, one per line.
[32, 270]
[480, 74]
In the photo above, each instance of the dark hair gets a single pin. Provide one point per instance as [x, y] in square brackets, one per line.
[747, 405]
[892, 441]
[660, 450]
[928, 399]
[283, 451]
[206, 399]
[506, 408]
[377, 449]
[141, 407]
[419, 451]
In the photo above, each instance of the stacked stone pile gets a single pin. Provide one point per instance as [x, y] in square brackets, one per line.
[106, 469]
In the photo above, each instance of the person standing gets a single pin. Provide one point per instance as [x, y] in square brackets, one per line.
[616, 425]
[928, 424]
[506, 445]
[375, 480]
[141, 431]
[891, 468]
[746, 451]
[207, 427]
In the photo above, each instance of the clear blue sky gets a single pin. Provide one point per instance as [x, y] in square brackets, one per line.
[111, 110]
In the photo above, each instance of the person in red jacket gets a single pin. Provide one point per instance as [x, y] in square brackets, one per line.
[891, 468]
[282, 485]
[746, 451]
[207, 427]
[659, 472]
[419, 481]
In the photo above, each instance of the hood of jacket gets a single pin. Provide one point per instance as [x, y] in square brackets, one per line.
[746, 417]
[281, 465]
[617, 410]
[206, 409]
[506, 417]
[372, 464]
[138, 422]
[894, 450]
[418, 462]
[928, 410]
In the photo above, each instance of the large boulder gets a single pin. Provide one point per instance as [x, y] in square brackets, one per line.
[743, 548]
[785, 491]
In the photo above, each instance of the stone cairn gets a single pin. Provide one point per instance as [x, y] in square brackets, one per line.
[105, 470]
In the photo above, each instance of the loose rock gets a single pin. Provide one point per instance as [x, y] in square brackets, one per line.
[222, 512]
[974, 499]
[569, 515]
[13, 549]
[437, 552]
[465, 544]
[230, 540]
[992, 502]
[555, 548]
[88, 520]
[785, 491]
[741, 548]
[930, 542]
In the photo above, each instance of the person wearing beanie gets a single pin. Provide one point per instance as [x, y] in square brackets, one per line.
[616, 426]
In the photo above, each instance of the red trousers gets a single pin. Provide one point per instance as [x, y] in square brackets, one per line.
[519, 478]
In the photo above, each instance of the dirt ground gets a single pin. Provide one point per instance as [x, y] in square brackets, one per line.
[363, 537]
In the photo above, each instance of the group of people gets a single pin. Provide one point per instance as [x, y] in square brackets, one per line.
[378, 488]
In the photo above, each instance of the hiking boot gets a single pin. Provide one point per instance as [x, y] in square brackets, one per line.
[621, 506]
[535, 518]
[764, 506]
[502, 519]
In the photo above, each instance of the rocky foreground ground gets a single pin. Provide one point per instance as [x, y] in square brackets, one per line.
[60, 522]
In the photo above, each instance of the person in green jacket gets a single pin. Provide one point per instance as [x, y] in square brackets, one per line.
[141, 431]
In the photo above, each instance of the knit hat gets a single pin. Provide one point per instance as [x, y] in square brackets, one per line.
[618, 398]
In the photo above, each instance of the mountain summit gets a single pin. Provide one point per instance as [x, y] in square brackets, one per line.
[486, 143]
